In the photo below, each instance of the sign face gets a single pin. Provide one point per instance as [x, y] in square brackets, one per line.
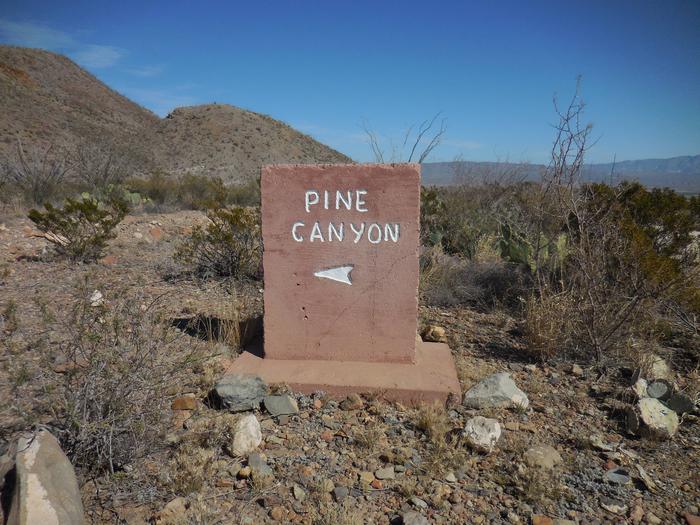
[341, 261]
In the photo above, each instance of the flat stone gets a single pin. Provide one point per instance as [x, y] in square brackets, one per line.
[283, 405]
[482, 433]
[340, 493]
[680, 403]
[618, 476]
[258, 465]
[658, 421]
[659, 389]
[497, 390]
[47, 488]
[542, 456]
[184, 403]
[366, 477]
[417, 502]
[434, 334]
[385, 473]
[414, 518]
[240, 392]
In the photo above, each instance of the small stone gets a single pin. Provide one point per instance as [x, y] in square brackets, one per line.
[691, 519]
[258, 465]
[414, 518]
[283, 405]
[340, 493]
[618, 476]
[247, 436]
[184, 403]
[531, 368]
[417, 502]
[451, 478]
[616, 507]
[352, 402]
[245, 472]
[385, 473]
[299, 493]
[636, 514]
[652, 519]
[278, 513]
[326, 486]
[327, 436]
[173, 512]
[497, 390]
[540, 519]
[542, 456]
[434, 334]
[318, 404]
[376, 484]
[659, 368]
[240, 392]
[96, 299]
[482, 433]
[366, 477]
[576, 370]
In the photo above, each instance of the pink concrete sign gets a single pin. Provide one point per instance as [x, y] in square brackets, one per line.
[341, 262]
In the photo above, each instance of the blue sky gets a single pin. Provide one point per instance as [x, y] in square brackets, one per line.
[326, 67]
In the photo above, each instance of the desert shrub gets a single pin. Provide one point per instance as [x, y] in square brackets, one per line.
[81, 228]
[38, 175]
[199, 192]
[448, 280]
[98, 164]
[229, 246]
[159, 187]
[105, 389]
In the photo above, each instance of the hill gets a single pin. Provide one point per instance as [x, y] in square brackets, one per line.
[46, 98]
[679, 173]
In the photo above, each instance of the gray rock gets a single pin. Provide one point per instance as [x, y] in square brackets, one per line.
[340, 493]
[283, 405]
[542, 456]
[657, 421]
[385, 473]
[417, 502]
[414, 518]
[240, 392]
[497, 390]
[618, 476]
[640, 388]
[482, 433]
[659, 389]
[680, 403]
[47, 489]
[258, 465]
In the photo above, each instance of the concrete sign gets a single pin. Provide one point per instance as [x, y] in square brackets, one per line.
[341, 261]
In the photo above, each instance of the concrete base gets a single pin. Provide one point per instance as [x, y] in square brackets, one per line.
[433, 377]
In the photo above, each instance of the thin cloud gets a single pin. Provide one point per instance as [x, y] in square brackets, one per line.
[145, 71]
[96, 56]
[31, 34]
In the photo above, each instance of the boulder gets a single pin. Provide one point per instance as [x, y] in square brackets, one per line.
[281, 405]
[497, 390]
[46, 489]
[542, 456]
[239, 392]
[651, 418]
[247, 436]
[482, 433]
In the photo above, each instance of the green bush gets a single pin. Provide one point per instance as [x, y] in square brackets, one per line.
[81, 228]
[229, 246]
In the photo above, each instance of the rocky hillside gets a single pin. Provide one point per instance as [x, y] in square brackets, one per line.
[46, 98]
[232, 143]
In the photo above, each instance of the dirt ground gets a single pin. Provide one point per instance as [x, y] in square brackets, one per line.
[326, 460]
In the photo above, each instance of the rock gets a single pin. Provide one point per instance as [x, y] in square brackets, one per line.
[531, 368]
[540, 519]
[240, 392]
[659, 389]
[618, 476]
[434, 334]
[97, 299]
[46, 489]
[562, 521]
[417, 502]
[366, 477]
[299, 493]
[542, 456]
[652, 519]
[640, 388]
[247, 436]
[653, 419]
[281, 405]
[278, 513]
[340, 493]
[611, 505]
[680, 403]
[414, 518]
[352, 402]
[451, 478]
[691, 518]
[258, 465]
[173, 512]
[497, 390]
[576, 370]
[385, 473]
[482, 433]
[327, 486]
[184, 403]
[659, 368]
[636, 514]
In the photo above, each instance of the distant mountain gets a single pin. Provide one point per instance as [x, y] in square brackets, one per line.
[679, 173]
[46, 98]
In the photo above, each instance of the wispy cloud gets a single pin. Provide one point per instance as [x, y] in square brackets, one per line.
[92, 55]
[145, 71]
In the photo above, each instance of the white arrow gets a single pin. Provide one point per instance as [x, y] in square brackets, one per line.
[339, 273]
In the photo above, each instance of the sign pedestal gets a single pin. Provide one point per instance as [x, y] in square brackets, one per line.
[340, 258]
